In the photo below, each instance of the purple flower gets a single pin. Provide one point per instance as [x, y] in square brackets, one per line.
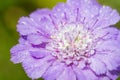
[73, 41]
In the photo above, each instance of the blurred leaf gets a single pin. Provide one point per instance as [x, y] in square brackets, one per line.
[112, 3]
[47, 3]
[8, 71]
[12, 15]
[5, 4]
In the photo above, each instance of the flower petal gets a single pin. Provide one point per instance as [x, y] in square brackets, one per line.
[54, 71]
[37, 39]
[38, 54]
[26, 26]
[106, 33]
[67, 74]
[104, 78]
[36, 68]
[19, 53]
[97, 66]
[79, 74]
[107, 17]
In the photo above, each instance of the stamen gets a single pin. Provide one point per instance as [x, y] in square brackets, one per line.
[70, 43]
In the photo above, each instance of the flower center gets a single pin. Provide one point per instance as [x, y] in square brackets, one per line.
[70, 43]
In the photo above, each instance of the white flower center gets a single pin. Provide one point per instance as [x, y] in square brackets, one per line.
[70, 43]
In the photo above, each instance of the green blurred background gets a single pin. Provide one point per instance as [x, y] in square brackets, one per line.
[10, 12]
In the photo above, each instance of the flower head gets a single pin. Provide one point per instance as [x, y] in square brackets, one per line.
[73, 41]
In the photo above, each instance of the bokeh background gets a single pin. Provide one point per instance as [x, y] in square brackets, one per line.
[10, 12]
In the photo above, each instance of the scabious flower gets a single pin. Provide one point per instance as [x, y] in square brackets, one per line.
[75, 40]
